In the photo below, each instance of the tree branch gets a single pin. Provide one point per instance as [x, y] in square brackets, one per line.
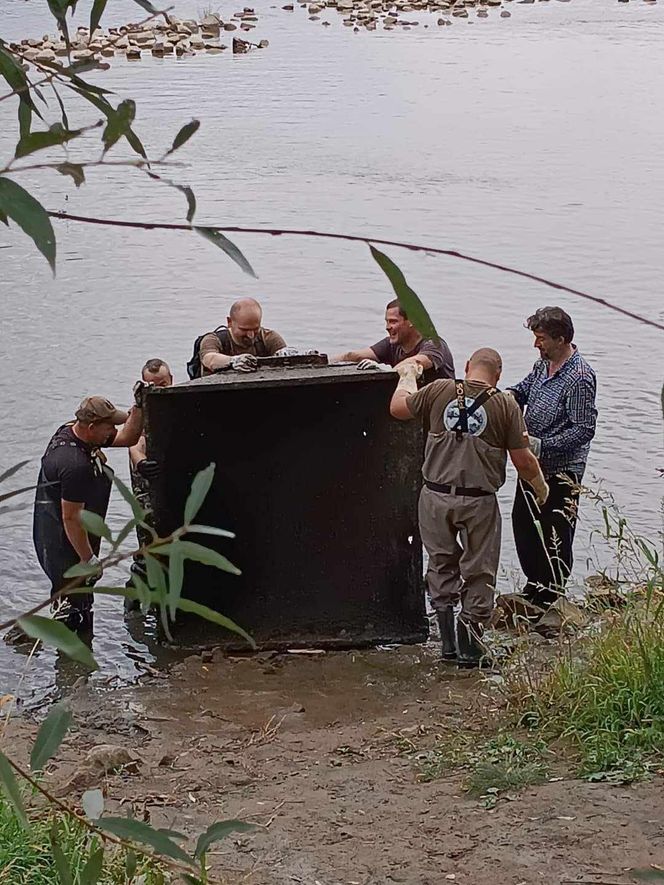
[413, 247]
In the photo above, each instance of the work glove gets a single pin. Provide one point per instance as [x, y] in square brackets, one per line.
[244, 362]
[540, 488]
[535, 445]
[408, 371]
[92, 579]
[139, 390]
[288, 351]
[148, 469]
[373, 365]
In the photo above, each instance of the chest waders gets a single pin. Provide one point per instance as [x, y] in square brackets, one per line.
[461, 641]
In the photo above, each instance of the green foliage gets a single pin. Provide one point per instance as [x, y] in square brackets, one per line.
[503, 763]
[54, 633]
[607, 699]
[215, 236]
[27, 858]
[199, 489]
[12, 790]
[184, 135]
[29, 214]
[144, 834]
[217, 832]
[50, 735]
[417, 312]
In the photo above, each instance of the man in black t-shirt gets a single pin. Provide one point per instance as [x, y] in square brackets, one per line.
[72, 478]
[403, 343]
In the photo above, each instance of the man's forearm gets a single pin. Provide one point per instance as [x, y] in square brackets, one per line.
[78, 537]
[131, 430]
[214, 361]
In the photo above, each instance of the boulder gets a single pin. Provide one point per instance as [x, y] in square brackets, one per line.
[45, 55]
[240, 46]
[229, 26]
[563, 615]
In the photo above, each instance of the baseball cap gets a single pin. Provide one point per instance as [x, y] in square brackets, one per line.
[98, 408]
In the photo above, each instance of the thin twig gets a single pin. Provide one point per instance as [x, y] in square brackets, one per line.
[136, 164]
[413, 247]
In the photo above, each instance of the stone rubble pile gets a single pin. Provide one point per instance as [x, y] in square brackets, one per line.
[389, 14]
[159, 38]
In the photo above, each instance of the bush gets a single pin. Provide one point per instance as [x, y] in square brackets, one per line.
[27, 856]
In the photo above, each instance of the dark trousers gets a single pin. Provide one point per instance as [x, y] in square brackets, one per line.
[546, 559]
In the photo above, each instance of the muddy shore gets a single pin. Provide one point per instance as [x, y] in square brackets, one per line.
[311, 748]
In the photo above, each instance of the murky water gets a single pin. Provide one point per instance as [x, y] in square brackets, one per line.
[534, 141]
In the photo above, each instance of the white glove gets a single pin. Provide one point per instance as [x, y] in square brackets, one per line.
[92, 579]
[535, 445]
[541, 489]
[244, 362]
[287, 351]
[409, 372]
[373, 366]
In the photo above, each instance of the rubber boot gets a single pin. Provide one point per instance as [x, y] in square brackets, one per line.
[447, 633]
[471, 653]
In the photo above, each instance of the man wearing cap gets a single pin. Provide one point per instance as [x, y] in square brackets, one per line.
[72, 478]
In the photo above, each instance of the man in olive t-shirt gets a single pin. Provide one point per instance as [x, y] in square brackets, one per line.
[472, 428]
[237, 345]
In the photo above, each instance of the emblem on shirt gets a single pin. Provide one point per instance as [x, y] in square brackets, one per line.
[476, 422]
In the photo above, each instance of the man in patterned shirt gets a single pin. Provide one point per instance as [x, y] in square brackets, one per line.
[559, 401]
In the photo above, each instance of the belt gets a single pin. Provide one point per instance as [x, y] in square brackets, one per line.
[456, 490]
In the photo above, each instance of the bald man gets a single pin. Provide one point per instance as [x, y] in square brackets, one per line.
[237, 344]
[473, 426]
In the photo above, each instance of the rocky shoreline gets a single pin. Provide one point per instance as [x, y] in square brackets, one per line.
[389, 14]
[172, 36]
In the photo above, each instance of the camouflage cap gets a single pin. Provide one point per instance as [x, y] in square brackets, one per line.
[98, 408]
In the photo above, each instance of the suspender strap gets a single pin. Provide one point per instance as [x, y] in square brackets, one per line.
[224, 336]
[465, 412]
[462, 424]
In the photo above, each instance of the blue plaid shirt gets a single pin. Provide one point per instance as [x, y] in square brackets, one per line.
[561, 411]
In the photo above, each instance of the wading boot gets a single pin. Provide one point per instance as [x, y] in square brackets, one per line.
[471, 652]
[447, 634]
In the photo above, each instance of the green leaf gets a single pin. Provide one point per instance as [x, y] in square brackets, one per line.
[56, 634]
[209, 530]
[131, 863]
[137, 831]
[411, 304]
[135, 143]
[10, 471]
[61, 865]
[93, 804]
[196, 608]
[199, 553]
[184, 135]
[24, 119]
[73, 169]
[218, 831]
[10, 784]
[136, 509]
[95, 525]
[124, 533]
[50, 736]
[63, 112]
[4, 219]
[156, 576]
[198, 492]
[91, 872]
[37, 141]
[191, 200]
[15, 492]
[81, 570]
[147, 6]
[216, 237]
[30, 216]
[119, 123]
[95, 16]
[175, 577]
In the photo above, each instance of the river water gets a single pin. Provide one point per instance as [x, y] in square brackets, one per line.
[533, 141]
